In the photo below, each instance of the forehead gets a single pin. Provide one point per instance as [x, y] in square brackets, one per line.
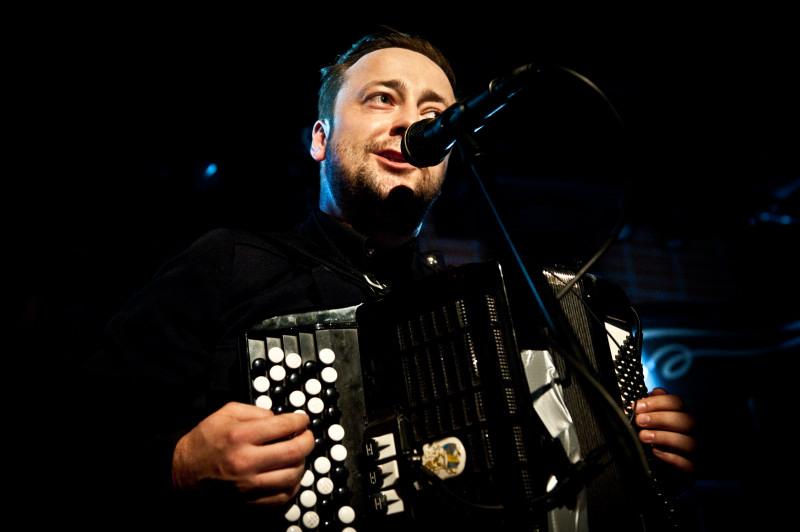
[415, 69]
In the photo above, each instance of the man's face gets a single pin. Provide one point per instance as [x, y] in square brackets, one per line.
[365, 180]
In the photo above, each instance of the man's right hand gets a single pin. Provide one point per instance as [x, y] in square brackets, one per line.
[246, 452]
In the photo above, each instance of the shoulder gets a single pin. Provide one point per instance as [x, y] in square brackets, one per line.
[233, 245]
[227, 239]
[235, 253]
[223, 257]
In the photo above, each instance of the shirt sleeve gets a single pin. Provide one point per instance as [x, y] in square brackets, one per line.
[147, 385]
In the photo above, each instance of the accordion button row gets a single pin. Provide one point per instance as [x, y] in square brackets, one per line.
[282, 382]
[384, 473]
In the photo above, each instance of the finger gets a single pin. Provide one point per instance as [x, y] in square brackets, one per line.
[676, 460]
[271, 428]
[271, 499]
[276, 486]
[244, 412]
[281, 454]
[241, 467]
[666, 420]
[669, 441]
[283, 426]
[654, 403]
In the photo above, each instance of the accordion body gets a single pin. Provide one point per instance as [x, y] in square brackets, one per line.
[423, 407]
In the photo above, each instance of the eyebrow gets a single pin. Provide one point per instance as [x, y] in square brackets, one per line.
[428, 95]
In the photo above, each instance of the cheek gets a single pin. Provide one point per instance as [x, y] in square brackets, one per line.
[356, 126]
[348, 142]
[439, 172]
[443, 166]
[430, 184]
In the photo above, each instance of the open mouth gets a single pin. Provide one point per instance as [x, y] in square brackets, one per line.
[392, 155]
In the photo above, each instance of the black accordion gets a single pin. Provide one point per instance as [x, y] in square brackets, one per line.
[427, 412]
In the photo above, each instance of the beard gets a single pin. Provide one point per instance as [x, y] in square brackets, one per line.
[371, 204]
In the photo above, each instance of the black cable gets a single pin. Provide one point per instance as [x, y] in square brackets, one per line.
[617, 229]
[569, 483]
[562, 332]
[563, 335]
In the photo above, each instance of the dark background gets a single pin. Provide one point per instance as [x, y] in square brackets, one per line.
[118, 115]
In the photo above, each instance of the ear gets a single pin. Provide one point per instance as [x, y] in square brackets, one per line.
[319, 140]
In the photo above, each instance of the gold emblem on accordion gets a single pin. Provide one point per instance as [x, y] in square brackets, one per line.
[445, 458]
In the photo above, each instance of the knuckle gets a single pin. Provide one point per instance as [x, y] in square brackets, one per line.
[297, 452]
[236, 435]
[282, 498]
[236, 465]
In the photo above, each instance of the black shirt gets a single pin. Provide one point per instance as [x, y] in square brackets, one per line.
[169, 358]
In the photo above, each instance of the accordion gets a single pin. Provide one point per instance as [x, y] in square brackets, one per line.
[427, 413]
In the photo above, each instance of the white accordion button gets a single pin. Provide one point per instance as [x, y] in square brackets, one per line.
[295, 528]
[322, 465]
[293, 360]
[264, 401]
[326, 355]
[293, 513]
[336, 432]
[275, 354]
[346, 515]
[308, 498]
[308, 479]
[339, 452]
[313, 386]
[325, 486]
[261, 384]
[329, 374]
[297, 398]
[316, 405]
[277, 373]
[310, 520]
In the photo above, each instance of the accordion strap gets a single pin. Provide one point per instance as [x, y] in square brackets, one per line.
[308, 249]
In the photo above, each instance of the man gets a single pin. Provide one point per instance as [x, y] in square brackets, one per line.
[182, 436]
[365, 185]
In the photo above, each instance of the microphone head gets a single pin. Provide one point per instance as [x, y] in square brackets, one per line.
[419, 148]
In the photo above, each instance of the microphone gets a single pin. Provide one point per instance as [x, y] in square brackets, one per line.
[427, 142]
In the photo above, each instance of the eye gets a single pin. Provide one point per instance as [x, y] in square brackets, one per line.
[431, 113]
[380, 98]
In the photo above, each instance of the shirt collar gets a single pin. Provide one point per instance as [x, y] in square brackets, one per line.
[362, 252]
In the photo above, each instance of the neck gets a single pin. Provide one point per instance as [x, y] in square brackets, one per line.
[377, 231]
[390, 241]
[390, 222]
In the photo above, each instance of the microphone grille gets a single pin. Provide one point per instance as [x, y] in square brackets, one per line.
[416, 150]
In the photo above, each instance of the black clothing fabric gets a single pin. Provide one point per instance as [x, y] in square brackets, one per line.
[169, 358]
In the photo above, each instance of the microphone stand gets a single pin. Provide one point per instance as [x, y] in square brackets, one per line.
[554, 316]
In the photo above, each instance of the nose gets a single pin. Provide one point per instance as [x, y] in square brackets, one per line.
[406, 115]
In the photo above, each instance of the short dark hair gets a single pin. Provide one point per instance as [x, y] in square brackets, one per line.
[333, 76]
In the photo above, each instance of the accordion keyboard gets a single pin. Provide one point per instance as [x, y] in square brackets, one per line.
[419, 404]
[291, 371]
